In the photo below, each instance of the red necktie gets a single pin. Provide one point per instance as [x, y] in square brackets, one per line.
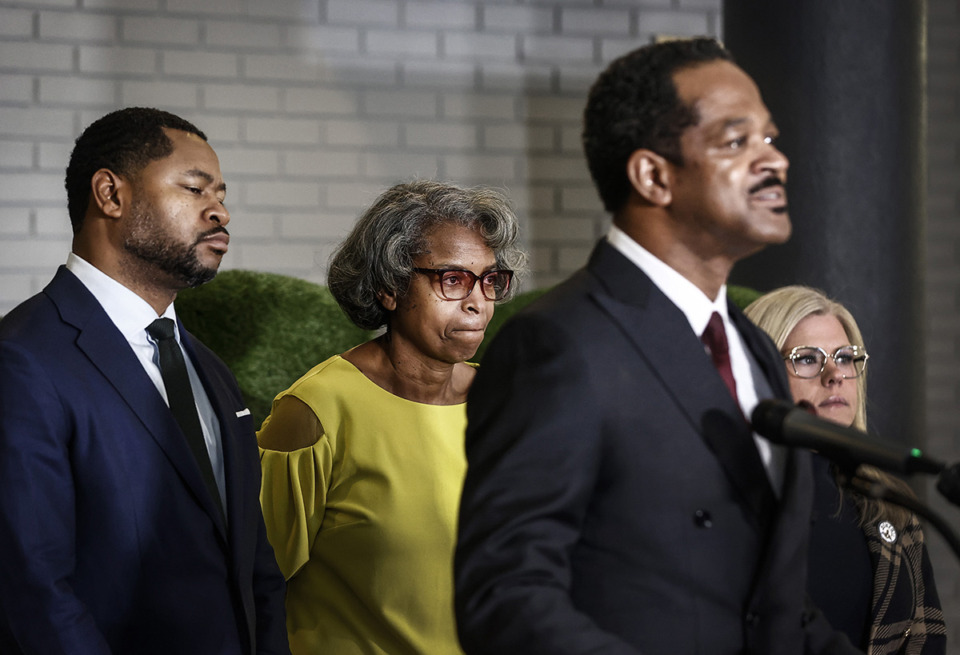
[715, 339]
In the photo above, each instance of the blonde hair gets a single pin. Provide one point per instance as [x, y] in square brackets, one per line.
[777, 313]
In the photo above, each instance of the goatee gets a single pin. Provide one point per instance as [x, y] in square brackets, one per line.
[151, 244]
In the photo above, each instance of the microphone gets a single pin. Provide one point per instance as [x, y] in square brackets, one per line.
[949, 483]
[790, 425]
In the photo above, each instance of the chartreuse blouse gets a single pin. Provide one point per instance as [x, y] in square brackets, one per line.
[363, 522]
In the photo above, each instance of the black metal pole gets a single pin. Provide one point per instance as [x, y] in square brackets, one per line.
[845, 84]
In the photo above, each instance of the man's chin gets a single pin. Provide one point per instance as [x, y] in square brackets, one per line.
[203, 269]
[188, 277]
[779, 238]
[200, 277]
[763, 241]
[778, 229]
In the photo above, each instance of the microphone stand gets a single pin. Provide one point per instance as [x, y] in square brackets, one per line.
[873, 489]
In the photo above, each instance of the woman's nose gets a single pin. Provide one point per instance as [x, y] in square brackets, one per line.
[831, 372]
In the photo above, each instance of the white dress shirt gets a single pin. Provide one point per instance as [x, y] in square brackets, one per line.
[698, 308]
[132, 314]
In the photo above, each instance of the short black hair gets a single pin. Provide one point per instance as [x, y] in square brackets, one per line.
[123, 141]
[634, 105]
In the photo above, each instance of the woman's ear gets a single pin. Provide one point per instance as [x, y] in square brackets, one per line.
[649, 175]
[106, 192]
[387, 300]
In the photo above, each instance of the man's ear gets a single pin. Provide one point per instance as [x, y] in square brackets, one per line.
[107, 191]
[387, 300]
[650, 176]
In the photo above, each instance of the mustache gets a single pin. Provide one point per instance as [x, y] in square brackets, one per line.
[209, 233]
[772, 180]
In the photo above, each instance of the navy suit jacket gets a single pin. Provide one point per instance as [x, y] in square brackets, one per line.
[109, 540]
[615, 501]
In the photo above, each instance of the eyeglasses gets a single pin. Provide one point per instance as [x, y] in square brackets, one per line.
[456, 284]
[809, 361]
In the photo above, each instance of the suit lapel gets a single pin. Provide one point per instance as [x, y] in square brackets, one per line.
[660, 333]
[108, 351]
[235, 435]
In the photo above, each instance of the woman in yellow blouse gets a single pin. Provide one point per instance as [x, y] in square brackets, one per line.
[363, 456]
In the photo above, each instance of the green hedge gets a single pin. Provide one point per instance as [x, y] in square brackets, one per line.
[270, 329]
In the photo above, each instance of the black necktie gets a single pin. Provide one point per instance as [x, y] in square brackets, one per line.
[173, 370]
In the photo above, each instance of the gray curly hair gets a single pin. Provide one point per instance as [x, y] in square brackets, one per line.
[377, 256]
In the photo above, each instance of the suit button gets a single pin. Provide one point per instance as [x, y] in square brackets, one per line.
[703, 519]
[753, 619]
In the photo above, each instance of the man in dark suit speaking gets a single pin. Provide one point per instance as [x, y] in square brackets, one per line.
[129, 475]
[616, 500]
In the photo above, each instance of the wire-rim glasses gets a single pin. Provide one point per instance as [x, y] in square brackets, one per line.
[457, 284]
[809, 361]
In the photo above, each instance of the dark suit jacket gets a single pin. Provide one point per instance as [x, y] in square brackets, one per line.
[109, 540]
[615, 501]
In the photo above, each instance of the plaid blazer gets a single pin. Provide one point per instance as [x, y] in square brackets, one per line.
[906, 615]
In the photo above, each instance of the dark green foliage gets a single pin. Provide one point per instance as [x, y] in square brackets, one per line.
[270, 329]
[742, 296]
[502, 313]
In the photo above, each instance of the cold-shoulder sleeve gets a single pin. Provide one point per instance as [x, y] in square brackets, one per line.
[293, 492]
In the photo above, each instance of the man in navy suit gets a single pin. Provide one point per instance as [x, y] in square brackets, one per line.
[117, 535]
[616, 500]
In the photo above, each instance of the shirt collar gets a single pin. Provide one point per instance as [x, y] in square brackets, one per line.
[128, 311]
[683, 293]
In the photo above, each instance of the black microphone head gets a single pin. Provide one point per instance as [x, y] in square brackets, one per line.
[807, 406]
[768, 416]
[785, 423]
[949, 483]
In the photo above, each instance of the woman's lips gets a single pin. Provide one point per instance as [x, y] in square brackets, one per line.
[834, 401]
[470, 331]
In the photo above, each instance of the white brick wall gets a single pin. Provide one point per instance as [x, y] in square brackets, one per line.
[315, 106]
[16, 23]
[364, 12]
[505, 19]
[76, 28]
[116, 61]
[420, 15]
[27, 56]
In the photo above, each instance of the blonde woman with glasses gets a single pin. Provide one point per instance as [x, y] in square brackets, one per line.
[869, 571]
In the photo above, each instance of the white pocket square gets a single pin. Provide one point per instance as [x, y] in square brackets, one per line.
[243, 412]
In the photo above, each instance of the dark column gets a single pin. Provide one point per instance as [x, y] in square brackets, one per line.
[845, 84]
